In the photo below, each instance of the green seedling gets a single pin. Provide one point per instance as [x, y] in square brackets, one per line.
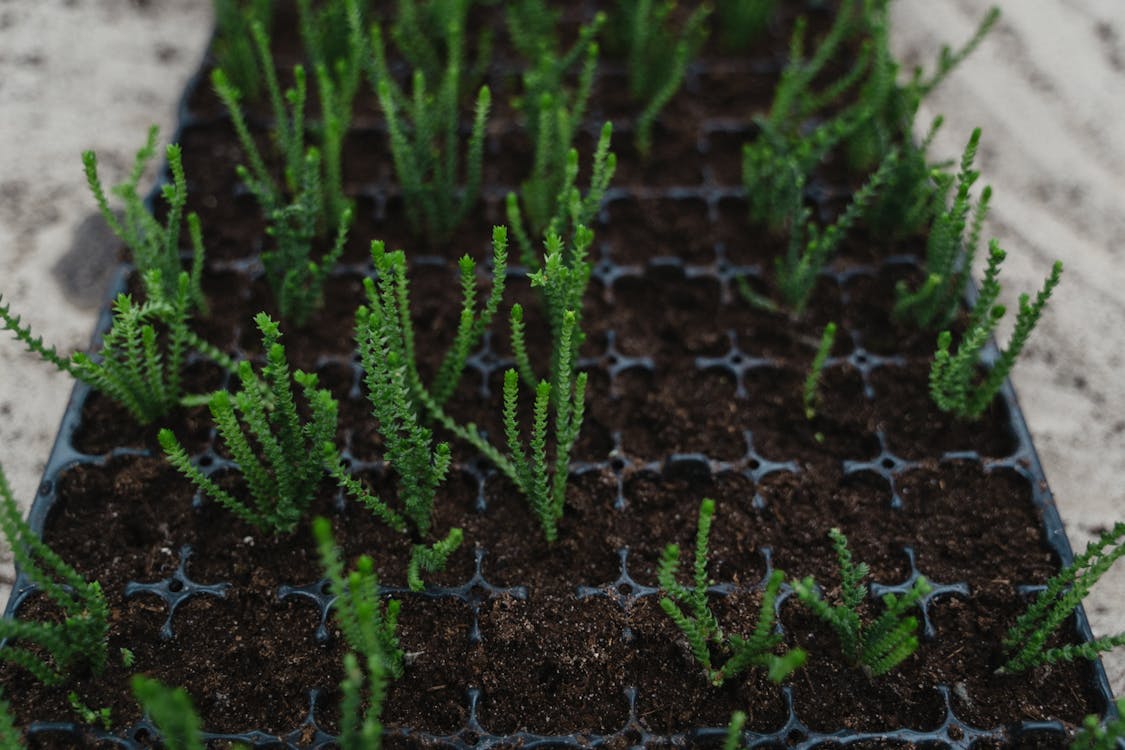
[687, 607]
[810, 248]
[137, 367]
[385, 343]
[233, 46]
[364, 684]
[388, 374]
[572, 211]
[809, 393]
[431, 559]
[423, 127]
[308, 204]
[553, 116]
[733, 739]
[546, 489]
[1026, 641]
[893, 106]
[561, 282]
[740, 23]
[101, 716]
[51, 651]
[368, 626]
[172, 712]
[153, 246]
[10, 736]
[775, 170]
[954, 384]
[328, 30]
[1095, 736]
[795, 99]
[658, 51]
[386, 320]
[430, 35]
[533, 29]
[865, 107]
[912, 196]
[471, 323]
[334, 42]
[283, 481]
[949, 252]
[880, 646]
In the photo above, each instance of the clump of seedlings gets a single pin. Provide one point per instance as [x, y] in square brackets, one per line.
[143, 355]
[954, 383]
[722, 655]
[910, 199]
[51, 651]
[810, 248]
[891, 107]
[949, 252]
[369, 628]
[153, 246]
[778, 164]
[389, 371]
[657, 46]
[420, 466]
[553, 115]
[877, 647]
[138, 367]
[864, 109]
[282, 486]
[562, 282]
[307, 204]
[546, 489]
[386, 320]
[423, 127]
[1026, 641]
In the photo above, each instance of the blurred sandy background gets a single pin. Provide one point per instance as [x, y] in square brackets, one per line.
[1047, 87]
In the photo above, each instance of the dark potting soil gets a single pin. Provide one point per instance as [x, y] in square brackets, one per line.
[693, 393]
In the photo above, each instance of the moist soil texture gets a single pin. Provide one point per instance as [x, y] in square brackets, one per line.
[693, 393]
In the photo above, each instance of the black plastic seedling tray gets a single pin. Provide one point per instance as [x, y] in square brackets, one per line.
[620, 464]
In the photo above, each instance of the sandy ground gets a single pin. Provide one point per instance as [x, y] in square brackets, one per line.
[1048, 88]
